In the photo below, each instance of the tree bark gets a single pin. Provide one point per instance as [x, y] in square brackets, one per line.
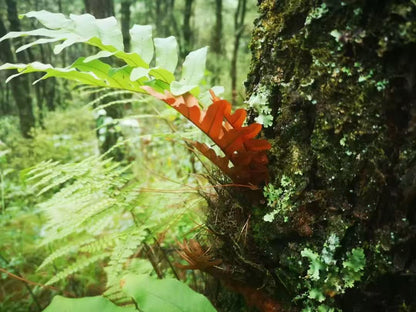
[125, 23]
[187, 30]
[20, 86]
[217, 43]
[100, 8]
[340, 82]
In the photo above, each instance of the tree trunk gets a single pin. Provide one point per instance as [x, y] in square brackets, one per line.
[100, 8]
[20, 85]
[187, 30]
[217, 43]
[340, 82]
[125, 23]
[103, 9]
[5, 54]
[239, 17]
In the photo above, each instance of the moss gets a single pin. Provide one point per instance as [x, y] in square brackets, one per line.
[342, 93]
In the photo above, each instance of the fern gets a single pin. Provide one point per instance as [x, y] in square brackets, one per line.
[77, 266]
[244, 162]
[98, 212]
[66, 249]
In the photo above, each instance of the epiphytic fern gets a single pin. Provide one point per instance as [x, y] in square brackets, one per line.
[150, 68]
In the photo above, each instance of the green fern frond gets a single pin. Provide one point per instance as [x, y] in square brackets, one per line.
[66, 249]
[76, 267]
[110, 94]
[96, 245]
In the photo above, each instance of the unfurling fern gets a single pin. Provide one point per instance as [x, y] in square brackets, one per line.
[150, 68]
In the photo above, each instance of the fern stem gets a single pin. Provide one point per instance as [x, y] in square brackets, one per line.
[167, 258]
[23, 280]
[151, 258]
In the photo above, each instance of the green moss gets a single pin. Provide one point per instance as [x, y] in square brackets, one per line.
[340, 81]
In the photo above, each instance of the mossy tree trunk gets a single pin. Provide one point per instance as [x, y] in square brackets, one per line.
[339, 79]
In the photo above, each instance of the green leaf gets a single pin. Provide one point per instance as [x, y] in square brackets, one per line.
[50, 20]
[103, 33]
[141, 41]
[157, 85]
[58, 34]
[152, 295]
[87, 304]
[114, 77]
[68, 73]
[97, 56]
[162, 74]
[194, 66]
[138, 72]
[166, 53]
[192, 72]
[178, 88]
[36, 42]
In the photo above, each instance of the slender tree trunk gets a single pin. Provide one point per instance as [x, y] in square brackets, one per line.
[216, 45]
[125, 23]
[100, 8]
[217, 42]
[5, 54]
[187, 30]
[158, 13]
[20, 85]
[239, 17]
[103, 9]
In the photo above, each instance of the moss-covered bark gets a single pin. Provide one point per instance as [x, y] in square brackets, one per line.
[340, 81]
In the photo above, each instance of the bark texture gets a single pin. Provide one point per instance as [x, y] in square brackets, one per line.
[99, 8]
[339, 80]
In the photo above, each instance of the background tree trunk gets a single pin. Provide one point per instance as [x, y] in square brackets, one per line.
[340, 82]
[239, 17]
[103, 9]
[125, 22]
[217, 46]
[100, 8]
[187, 30]
[20, 86]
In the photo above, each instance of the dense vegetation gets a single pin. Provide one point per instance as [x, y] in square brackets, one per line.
[110, 200]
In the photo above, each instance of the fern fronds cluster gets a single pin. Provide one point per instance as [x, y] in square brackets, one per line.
[98, 212]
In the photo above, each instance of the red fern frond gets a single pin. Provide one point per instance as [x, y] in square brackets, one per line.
[246, 154]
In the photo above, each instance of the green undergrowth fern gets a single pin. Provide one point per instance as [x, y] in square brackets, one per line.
[97, 212]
